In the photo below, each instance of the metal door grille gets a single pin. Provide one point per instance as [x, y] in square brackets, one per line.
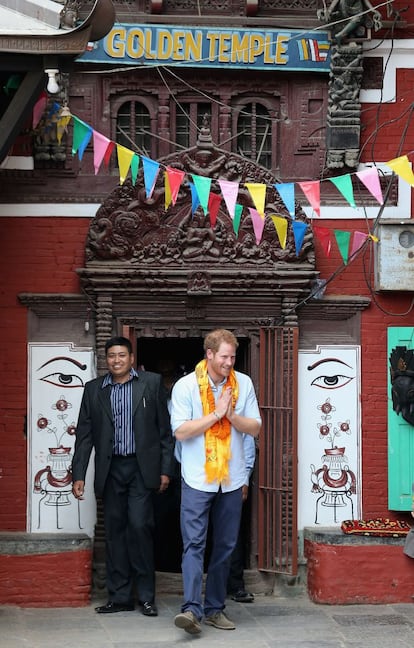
[277, 514]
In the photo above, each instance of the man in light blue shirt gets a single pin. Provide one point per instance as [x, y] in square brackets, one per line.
[211, 410]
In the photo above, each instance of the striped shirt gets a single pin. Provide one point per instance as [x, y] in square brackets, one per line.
[121, 405]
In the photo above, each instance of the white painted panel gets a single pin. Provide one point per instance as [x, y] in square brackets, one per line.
[57, 374]
[329, 436]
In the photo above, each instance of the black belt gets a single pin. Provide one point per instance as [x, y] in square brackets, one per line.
[125, 456]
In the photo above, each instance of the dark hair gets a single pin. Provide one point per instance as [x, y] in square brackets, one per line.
[215, 338]
[118, 341]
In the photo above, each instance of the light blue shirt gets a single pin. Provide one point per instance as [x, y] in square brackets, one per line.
[185, 406]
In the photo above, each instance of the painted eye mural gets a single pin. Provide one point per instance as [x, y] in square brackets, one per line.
[402, 382]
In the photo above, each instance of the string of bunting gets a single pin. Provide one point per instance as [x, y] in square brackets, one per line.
[128, 162]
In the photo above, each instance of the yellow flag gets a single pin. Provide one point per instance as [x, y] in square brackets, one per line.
[402, 167]
[167, 192]
[258, 193]
[281, 226]
[125, 156]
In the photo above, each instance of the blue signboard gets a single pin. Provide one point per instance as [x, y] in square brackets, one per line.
[263, 49]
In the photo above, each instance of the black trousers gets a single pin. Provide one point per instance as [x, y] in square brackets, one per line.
[129, 533]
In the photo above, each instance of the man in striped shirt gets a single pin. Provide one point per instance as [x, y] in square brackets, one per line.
[124, 417]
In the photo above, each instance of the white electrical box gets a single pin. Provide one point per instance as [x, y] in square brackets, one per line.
[394, 255]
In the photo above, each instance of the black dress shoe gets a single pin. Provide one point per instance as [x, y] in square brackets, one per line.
[111, 608]
[243, 597]
[149, 609]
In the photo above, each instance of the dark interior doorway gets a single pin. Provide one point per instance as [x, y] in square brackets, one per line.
[173, 358]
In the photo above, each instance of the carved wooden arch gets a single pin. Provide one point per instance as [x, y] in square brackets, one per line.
[136, 250]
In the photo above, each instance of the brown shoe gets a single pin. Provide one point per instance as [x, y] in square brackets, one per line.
[220, 620]
[188, 621]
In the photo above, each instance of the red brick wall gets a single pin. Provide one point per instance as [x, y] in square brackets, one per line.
[38, 255]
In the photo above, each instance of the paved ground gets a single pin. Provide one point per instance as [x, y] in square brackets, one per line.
[269, 622]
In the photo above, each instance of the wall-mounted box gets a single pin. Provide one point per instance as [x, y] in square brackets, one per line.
[394, 255]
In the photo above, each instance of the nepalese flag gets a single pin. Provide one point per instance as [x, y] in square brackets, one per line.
[311, 49]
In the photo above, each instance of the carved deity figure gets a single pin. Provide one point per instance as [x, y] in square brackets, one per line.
[402, 382]
[353, 17]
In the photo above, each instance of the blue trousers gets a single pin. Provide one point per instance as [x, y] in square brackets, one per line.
[224, 512]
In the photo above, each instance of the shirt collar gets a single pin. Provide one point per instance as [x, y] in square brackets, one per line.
[108, 380]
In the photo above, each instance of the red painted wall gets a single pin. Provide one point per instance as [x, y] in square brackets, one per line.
[38, 255]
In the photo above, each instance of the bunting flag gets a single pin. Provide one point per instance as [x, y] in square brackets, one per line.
[82, 134]
[402, 167]
[370, 178]
[258, 224]
[281, 226]
[125, 156]
[237, 218]
[109, 151]
[39, 109]
[257, 191]
[344, 185]
[151, 169]
[299, 230]
[134, 168]
[62, 124]
[358, 240]
[312, 191]
[100, 145]
[229, 189]
[214, 201]
[175, 178]
[323, 234]
[202, 185]
[194, 198]
[286, 191]
[167, 192]
[342, 240]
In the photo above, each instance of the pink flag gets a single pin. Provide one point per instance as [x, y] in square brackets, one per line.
[100, 144]
[369, 177]
[229, 189]
[312, 191]
[258, 224]
[214, 201]
[358, 240]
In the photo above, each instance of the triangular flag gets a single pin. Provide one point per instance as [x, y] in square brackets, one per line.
[100, 144]
[281, 226]
[229, 189]
[167, 192]
[286, 191]
[194, 198]
[323, 234]
[125, 156]
[370, 178]
[257, 191]
[62, 124]
[39, 109]
[258, 224]
[299, 229]
[344, 185]
[175, 178]
[134, 168]
[237, 218]
[402, 167]
[312, 191]
[213, 207]
[82, 134]
[151, 169]
[358, 240]
[342, 239]
[202, 185]
[108, 153]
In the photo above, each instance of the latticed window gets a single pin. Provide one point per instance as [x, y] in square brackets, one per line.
[133, 127]
[254, 134]
[188, 121]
